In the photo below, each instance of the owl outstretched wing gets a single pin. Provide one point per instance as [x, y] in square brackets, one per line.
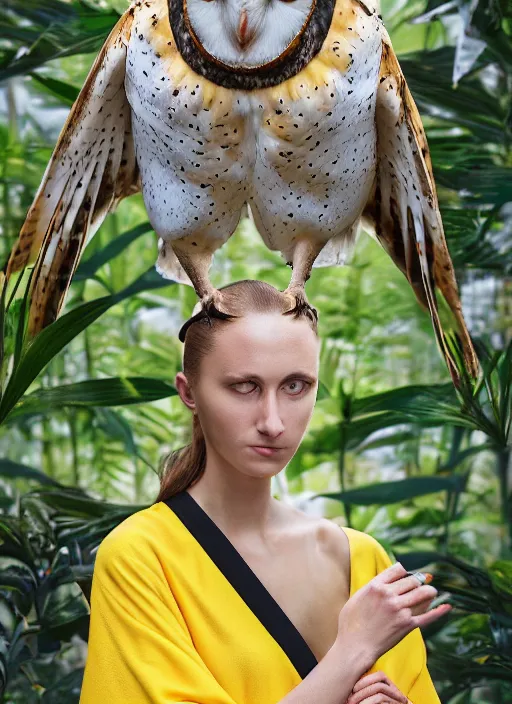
[404, 212]
[91, 169]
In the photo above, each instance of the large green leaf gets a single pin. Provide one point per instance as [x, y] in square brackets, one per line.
[428, 76]
[16, 470]
[117, 391]
[387, 440]
[481, 29]
[43, 348]
[34, 32]
[67, 93]
[405, 398]
[88, 267]
[473, 239]
[401, 490]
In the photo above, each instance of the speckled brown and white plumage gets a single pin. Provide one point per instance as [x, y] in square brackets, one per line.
[92, 168]
[302, 153]
[338, 140]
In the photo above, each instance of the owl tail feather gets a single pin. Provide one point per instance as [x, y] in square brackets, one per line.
[168, 264]
[339, 248]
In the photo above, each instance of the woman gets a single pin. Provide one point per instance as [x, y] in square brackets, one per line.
[220, 594]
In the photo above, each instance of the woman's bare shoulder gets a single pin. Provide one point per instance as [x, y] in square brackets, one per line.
[334, 540]
[330, 540]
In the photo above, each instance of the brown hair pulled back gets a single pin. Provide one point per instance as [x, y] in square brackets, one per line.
[181, 468]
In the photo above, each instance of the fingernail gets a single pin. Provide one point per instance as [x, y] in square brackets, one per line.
[428, 577]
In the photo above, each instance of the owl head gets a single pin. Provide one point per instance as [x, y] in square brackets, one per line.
[247, 34]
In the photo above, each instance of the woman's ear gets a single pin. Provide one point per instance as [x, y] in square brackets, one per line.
[185, 391]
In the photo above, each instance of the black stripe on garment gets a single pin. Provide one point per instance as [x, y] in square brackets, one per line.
[238, 573]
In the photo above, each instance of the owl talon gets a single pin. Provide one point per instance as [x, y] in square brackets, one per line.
[301, 305]
[210, 308]
[208, 311]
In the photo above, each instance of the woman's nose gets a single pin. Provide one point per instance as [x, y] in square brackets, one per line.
[269, 421]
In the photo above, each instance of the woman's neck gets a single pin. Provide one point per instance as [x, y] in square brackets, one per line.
[243, 510]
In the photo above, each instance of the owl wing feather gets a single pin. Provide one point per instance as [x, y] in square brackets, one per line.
[91, 169]
[404, 211]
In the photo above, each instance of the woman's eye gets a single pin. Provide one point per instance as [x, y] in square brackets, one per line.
[298, 381]
[244, 383]
[295, 382]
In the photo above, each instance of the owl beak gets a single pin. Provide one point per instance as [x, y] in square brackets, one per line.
[243, 33]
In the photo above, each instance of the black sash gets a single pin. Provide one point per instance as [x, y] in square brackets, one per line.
[236, 570]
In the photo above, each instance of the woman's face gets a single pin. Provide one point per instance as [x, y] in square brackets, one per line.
[257, 387]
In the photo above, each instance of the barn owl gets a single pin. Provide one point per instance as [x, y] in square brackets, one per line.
[296, 109]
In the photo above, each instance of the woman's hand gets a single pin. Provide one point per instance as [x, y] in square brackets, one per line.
[376, 688]
[385, 610]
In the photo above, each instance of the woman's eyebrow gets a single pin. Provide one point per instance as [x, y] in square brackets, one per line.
[293, 375]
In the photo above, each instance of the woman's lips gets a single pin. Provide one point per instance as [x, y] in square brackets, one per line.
[265, 451]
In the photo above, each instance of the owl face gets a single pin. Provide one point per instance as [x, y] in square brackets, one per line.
[247, 33]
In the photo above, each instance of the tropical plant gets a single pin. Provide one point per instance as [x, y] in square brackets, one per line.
[392, 445]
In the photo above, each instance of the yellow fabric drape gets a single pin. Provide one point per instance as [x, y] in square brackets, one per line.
[406, 663]
[167, 626]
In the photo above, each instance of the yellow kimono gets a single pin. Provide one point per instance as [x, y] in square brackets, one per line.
[177, 615]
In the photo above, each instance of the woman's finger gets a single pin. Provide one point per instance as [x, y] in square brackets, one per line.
[379, 688]
[391, 574]
[407, 583]
[367, 680]
[379, 699]
[374, 685]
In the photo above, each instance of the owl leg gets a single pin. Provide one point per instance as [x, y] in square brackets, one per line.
[196, 261]
[304, 254]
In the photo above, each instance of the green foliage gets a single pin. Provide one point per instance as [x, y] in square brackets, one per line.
[48, 31]
[29, 361]
[46, 564]
[88, 407]
[472, 647]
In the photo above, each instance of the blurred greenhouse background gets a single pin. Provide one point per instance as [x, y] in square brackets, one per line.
[392, 449]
